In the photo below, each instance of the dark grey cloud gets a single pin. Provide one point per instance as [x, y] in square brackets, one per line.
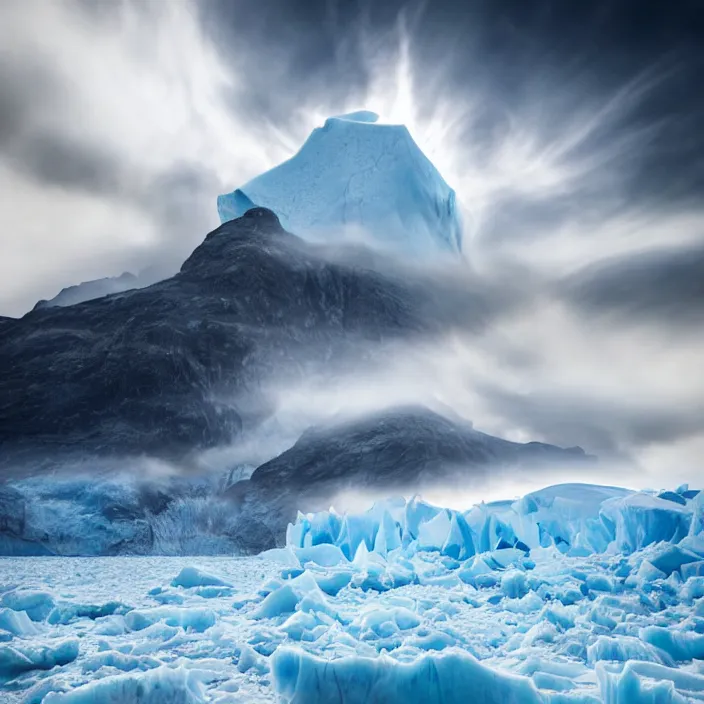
[99, 143]
[51, 156]
[25, 88]
[67, 162]
[524, 59]
[571, 132]
[611, 428]
[45, 153]
[664, 286]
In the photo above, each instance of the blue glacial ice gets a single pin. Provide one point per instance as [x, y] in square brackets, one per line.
[118, 514]
[16, 658]
[448, 678]
[575, 519]
[193, 577]
[355, 175]
[158, 686]
[572, 595]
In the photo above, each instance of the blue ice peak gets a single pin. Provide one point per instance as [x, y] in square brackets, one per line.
[357, 176]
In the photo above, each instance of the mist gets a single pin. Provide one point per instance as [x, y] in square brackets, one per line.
[578, 177]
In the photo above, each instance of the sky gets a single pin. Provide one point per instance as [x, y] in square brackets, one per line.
[571, 132]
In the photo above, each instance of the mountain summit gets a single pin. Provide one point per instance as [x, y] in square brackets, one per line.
[356, 175]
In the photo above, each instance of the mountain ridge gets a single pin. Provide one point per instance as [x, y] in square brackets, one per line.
[158, 370]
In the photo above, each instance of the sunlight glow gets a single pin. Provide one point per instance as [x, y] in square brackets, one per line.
[523, 160]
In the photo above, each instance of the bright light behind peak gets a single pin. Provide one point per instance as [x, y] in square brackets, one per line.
[126, 123]
[559, 143]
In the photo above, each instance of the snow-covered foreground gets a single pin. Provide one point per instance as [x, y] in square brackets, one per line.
[573, 594]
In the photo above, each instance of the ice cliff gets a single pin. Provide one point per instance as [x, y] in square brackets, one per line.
[575, 594]
[356, 175]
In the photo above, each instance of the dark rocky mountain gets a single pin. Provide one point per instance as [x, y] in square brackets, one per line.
[398, 451]
[179, 365]
[97, 288]
[184, 365]
[88, 290]
[404, 450]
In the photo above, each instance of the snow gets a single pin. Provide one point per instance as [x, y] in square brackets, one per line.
[406, 602]
[163, 685]
[192, 577]
[355, 174]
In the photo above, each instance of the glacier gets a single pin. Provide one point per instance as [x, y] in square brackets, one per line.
[118, 514]
[575, 594]
[357, 176]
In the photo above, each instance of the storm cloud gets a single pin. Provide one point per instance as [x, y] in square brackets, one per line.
[571, 133]
[664, 286]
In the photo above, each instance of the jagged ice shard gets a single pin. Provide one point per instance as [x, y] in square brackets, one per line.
[575, 594]
[355, 175]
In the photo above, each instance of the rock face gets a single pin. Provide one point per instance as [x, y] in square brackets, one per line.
[399, 450]
[355, 176]
[178, 365]
[88, 290]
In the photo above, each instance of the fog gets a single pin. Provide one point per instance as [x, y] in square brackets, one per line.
[578, 174]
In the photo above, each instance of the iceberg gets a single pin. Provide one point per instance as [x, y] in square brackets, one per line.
[15, 659]
[356, 175]
[578, 520]
[301, 679]
[160, 686]
[641, 519]
[17, 623]
[37, 604]
[681, 646]
[190, 577]
[574, 594]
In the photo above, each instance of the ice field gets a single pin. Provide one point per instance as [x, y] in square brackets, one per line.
[572, 594]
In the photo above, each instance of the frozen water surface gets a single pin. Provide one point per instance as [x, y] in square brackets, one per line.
[568, 595]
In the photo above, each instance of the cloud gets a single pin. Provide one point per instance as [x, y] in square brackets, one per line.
[664, 286]
[114, 100]
[580, 165]
[67, 162]
[113, 127]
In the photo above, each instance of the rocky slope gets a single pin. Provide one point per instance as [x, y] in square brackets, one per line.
[184, 365]
[397, 451]
[179, 365]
